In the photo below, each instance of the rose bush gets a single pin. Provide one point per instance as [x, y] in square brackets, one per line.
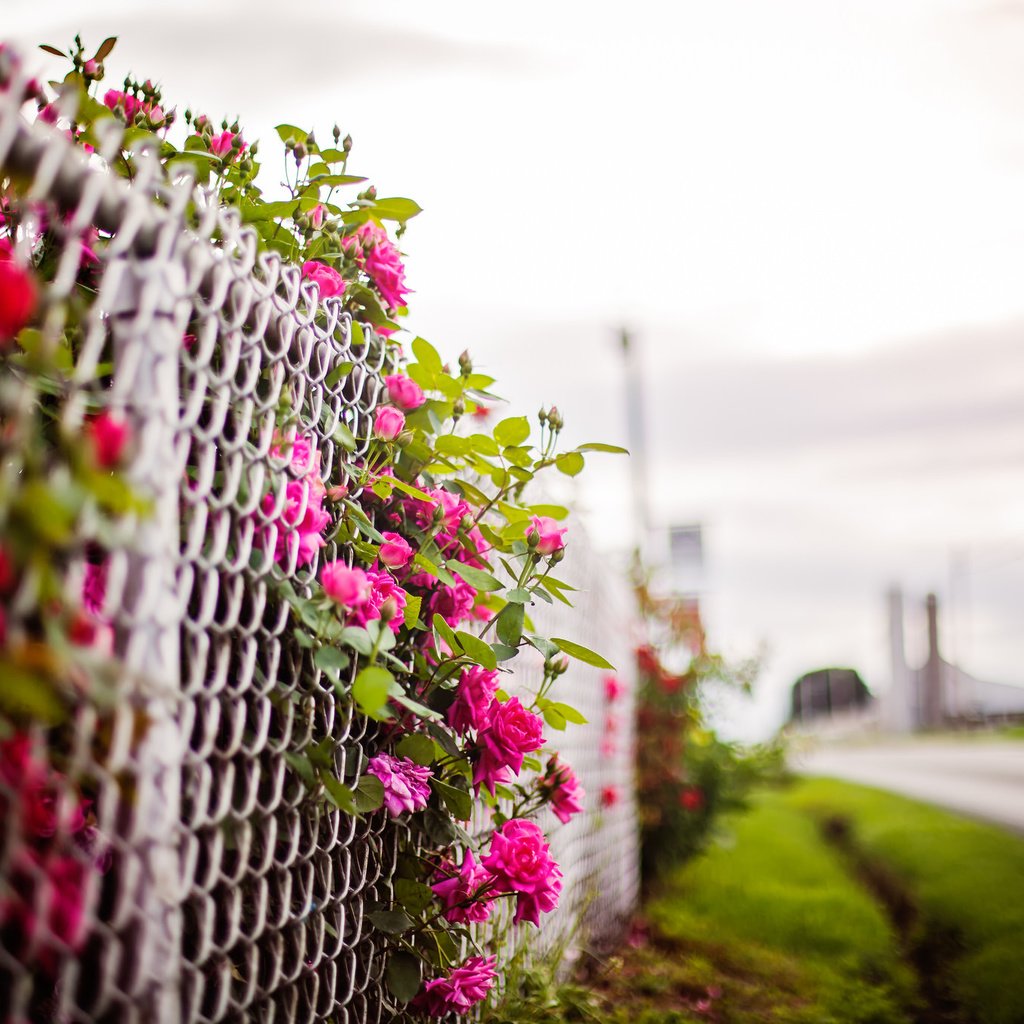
[415, 624]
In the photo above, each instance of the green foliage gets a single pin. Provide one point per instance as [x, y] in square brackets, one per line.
[966, 878]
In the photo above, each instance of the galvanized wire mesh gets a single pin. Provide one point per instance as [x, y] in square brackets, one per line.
[216, 888]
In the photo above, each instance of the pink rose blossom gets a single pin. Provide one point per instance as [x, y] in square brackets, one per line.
[563, 788]
[614, 688]
[302, 521]
[395, 551]
[108, 434]
[406, 784]
[549, 535]
[387, 600]
[222, 145]
[316, 216]
[94, 588]
[473, 699]
[18, 298]
[327, 279]
[388, 423]
[610, 796]
[460, 991]
[349, 587]
[404, 392]
[375, 253]
[453, 604]
[459, 891]
[512, 732]
[520, 860]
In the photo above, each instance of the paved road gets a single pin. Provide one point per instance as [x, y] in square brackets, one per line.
[980, 778]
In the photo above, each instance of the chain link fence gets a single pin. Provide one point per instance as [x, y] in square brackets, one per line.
[216, 888]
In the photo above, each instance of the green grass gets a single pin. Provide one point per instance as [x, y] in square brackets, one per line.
[967, 879]
[775, 923]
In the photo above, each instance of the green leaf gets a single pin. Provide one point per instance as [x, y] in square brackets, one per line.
[452, 444]
[446, 633]
[394, 922]
[581, 653]
[552, 588]
[302, 766]
[358, 639]
[596, 446]
[341, 370]
[546, 647]
[426, 355]
[428, 565]
[571, 463]
[343, 436]
[25, 694]
[357, 336]
[503, 652]
[479, 650]
[458, 802]
[403, 976]
[414, 896]
[330, 659]
[338, 793]
[398, 694]
[396, 208]
[509, 624]
[512, 431]
[417, 747]
[552, 511]
[289, 131]
[474, 577]
[568, 712]
[371, 689]
[369, 794]
[413, 492]
[483, 444]
[412, 610]
[555, 719]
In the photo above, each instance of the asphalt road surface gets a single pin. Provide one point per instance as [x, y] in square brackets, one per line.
[981, 778]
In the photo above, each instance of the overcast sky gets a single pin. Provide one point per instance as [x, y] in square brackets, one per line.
[809, 212]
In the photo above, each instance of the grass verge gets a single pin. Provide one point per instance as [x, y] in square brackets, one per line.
[967, 880]
[770, 929]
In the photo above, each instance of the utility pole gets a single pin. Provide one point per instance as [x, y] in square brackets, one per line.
[637, 442]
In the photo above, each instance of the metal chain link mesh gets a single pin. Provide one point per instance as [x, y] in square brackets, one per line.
[226, 892]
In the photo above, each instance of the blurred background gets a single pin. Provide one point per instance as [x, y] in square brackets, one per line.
[807, 215]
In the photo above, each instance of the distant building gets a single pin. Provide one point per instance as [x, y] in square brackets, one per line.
[826, 693]
[938, 693]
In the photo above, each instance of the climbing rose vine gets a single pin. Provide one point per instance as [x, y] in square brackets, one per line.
[417, 622]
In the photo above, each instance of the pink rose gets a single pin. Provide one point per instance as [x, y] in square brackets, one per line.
[460, 991]
[453, 604]
[404, 392]
[327, 279]
[473, 699]
[221, 145]
[614, 688]
[459, 891]
[406, 784]
[610, 796]
[348, 587]
[316, 216]
[108, 434]
[563, 789]
[512, 732]
[374, 252]
[548, 533]
[18, 296]
[388, 423]
[387, 600]
[520, 860]
[395, 551]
